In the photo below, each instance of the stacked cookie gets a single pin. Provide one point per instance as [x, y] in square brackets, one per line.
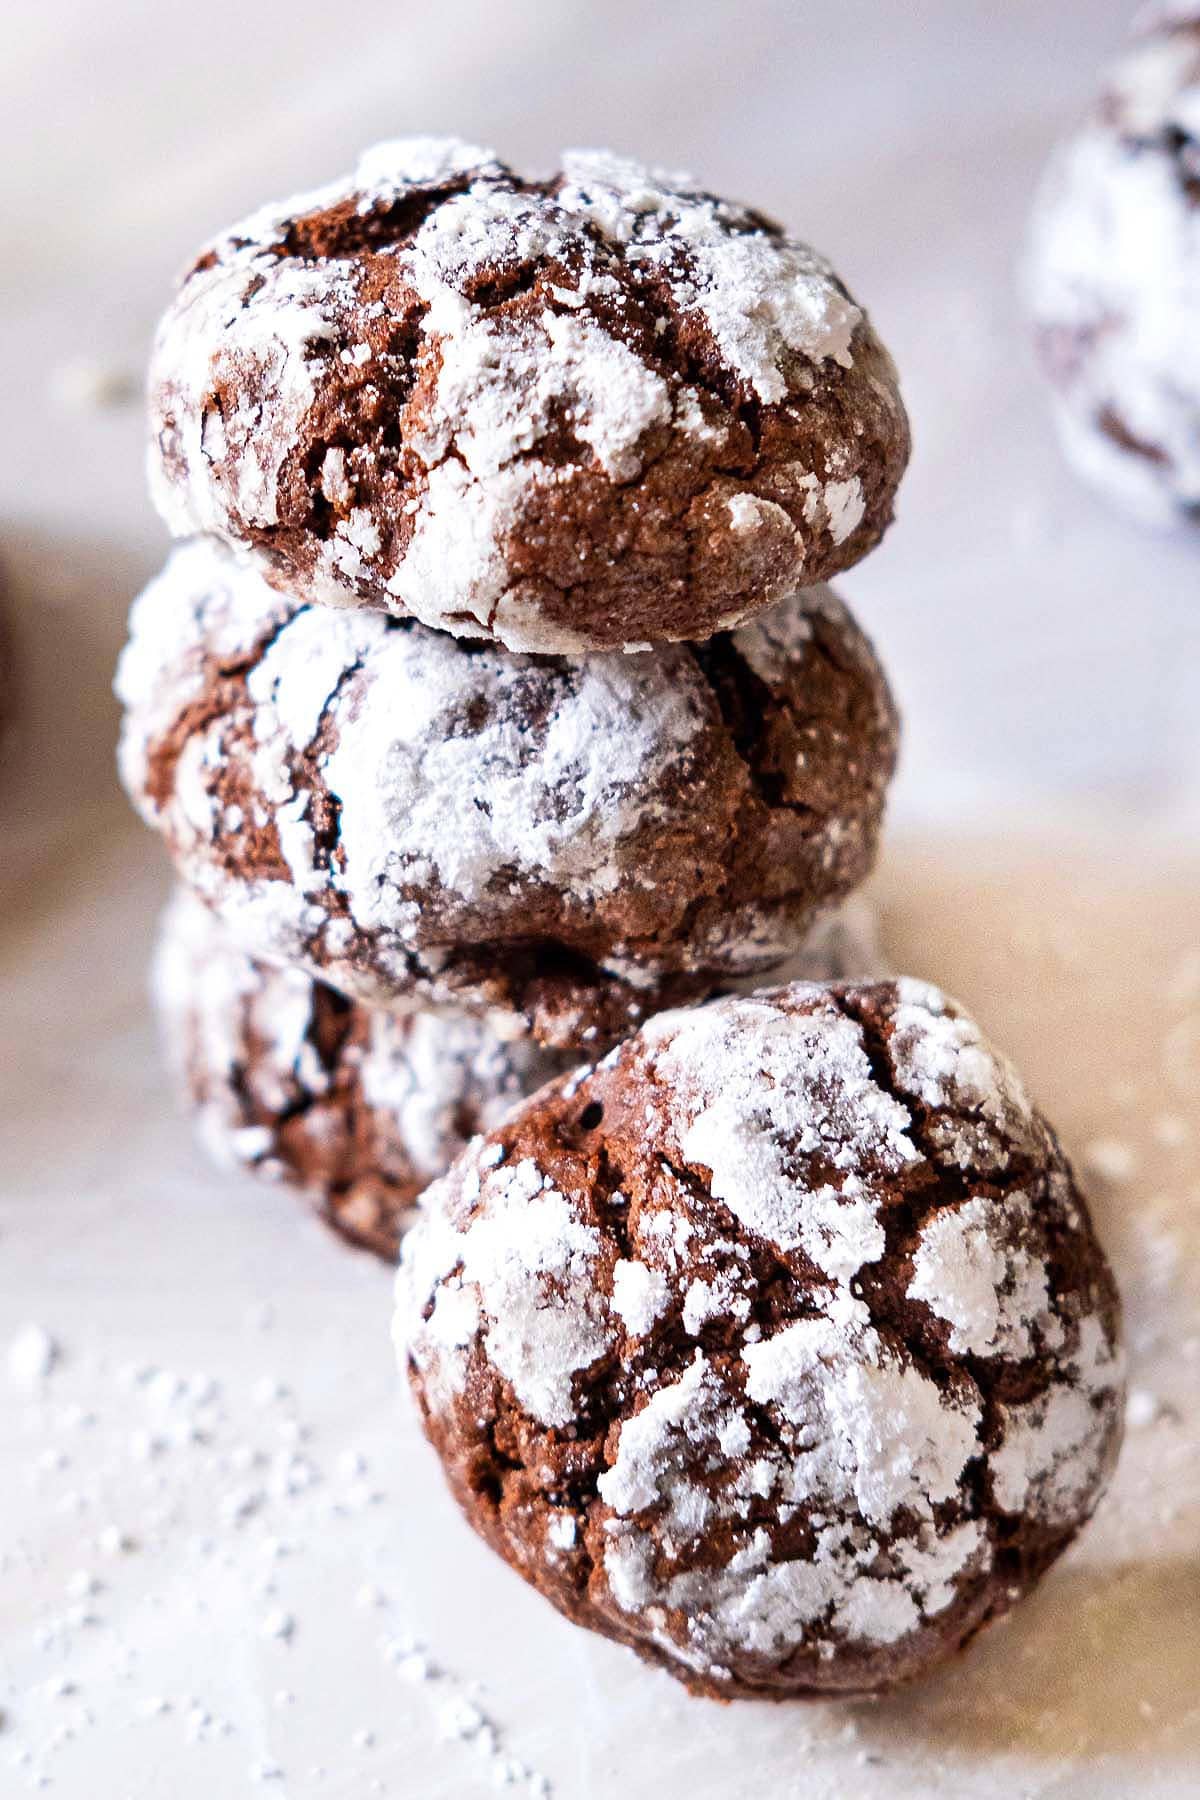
[494, 700]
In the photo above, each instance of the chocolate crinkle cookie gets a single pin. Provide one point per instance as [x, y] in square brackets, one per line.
[598, 410]
[778, 1347]
[1114, 278]
[357, 1107]
[562, 845]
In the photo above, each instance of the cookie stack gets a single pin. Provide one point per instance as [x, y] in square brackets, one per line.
[493, 706]
[493, 701]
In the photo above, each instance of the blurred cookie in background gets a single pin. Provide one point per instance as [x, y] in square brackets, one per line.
[1113, 278]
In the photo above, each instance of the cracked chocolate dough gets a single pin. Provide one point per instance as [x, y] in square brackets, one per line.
[357, 1107]
[1114, 279]
[601, 410]
[778, 1346]
[561, 845]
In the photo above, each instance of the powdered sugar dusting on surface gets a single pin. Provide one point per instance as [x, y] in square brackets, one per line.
[940, 1057]
[640, 1295]
[448, 767]
[360, 797]
[1058, 1451]
[969, 1270]
[294, 315]
[463, 804]
[525, 1269]
[193, 1553]
[242, 1035]
[757, 1090]
[261, 325]
[882, 1432]
[760, 298]
[832, 1416]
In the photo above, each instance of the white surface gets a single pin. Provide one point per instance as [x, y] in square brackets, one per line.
[1048, 661]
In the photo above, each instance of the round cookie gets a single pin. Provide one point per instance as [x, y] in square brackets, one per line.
[779, 1347]
[1114, 279]
[600, 410]
[357, 1107]
[564, 845]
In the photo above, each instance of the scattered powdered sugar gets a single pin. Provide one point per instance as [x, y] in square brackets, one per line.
[526, 1279]
[232, 1588]
[971, 1269]
[1057, 1451]
[32, 1355]
[759, 1089]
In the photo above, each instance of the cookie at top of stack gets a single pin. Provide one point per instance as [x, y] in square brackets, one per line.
[561, 844]
[600, 410]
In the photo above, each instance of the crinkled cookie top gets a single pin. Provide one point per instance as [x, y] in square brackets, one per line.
[779, 1346]
[601, 409]
[359, 1107]
[564, 842]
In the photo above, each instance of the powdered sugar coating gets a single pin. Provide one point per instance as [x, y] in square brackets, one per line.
[561, 844]
[599, 410]
[358, 1107]
[822, 1397]
[1114, 279]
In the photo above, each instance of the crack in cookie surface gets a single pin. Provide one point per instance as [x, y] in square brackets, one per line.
[571, 414]
[566, 842]
[777, 1346]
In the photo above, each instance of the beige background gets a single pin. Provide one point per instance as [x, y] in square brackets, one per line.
[1042, 863]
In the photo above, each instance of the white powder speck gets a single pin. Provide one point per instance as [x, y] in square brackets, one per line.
[1111, 1159]
[639, 1295]
[32, 1356]
[1142, 1409]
